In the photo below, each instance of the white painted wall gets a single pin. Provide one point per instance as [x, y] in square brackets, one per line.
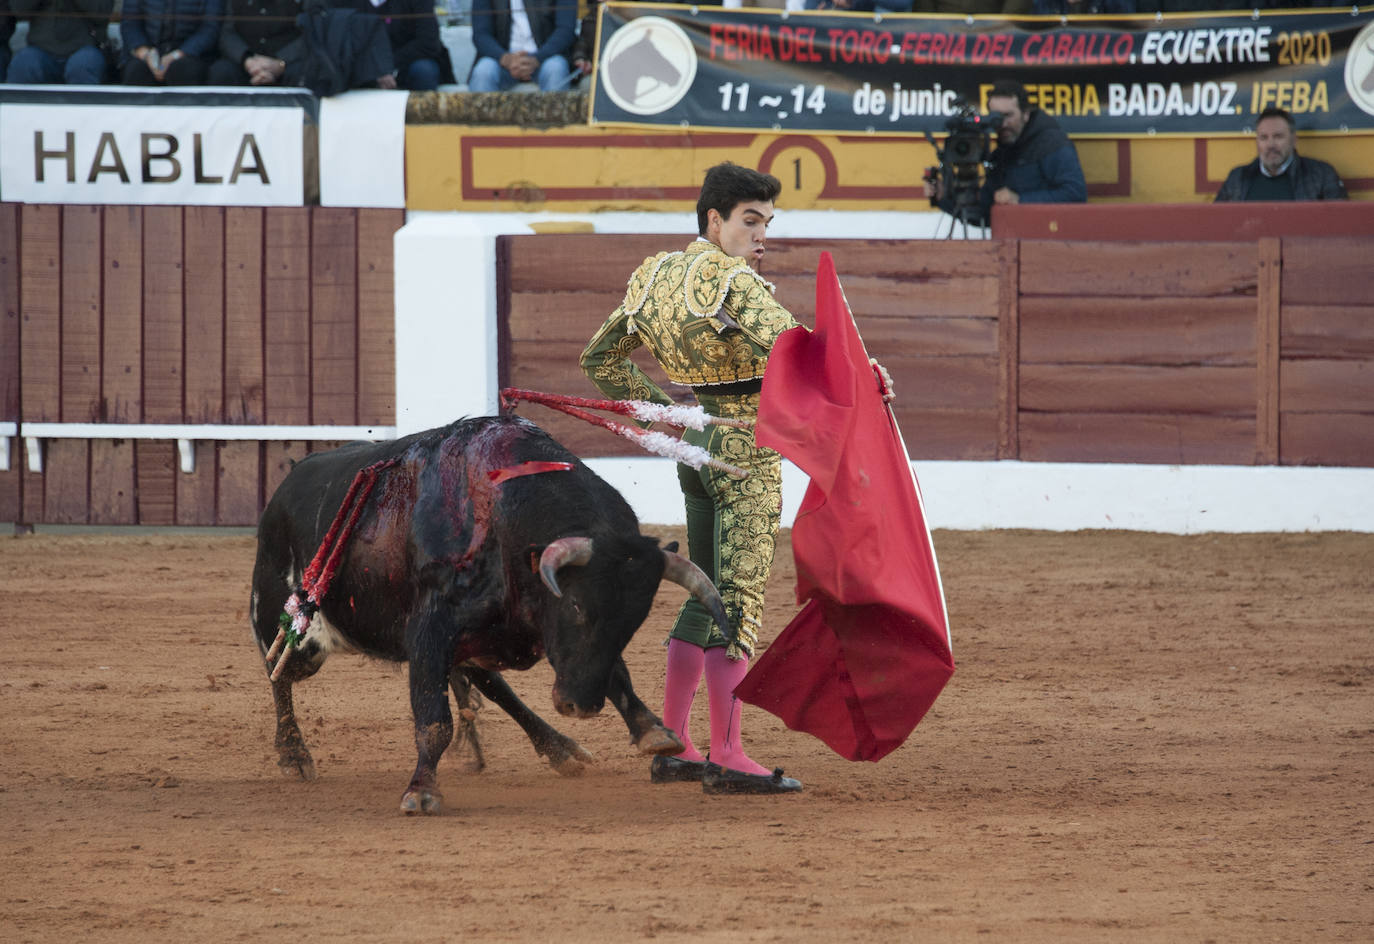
[446, 368]
[1062, 496]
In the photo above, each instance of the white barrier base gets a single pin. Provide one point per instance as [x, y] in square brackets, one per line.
[1054, 496]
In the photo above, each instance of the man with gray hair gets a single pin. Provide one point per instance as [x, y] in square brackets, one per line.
[1279, 172]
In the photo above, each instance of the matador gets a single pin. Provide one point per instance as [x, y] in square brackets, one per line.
[710, 320]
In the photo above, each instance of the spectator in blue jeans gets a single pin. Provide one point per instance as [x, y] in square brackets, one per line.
[518, 42]
[64, 42]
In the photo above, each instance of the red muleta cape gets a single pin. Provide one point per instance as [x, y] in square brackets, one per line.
[866, 657]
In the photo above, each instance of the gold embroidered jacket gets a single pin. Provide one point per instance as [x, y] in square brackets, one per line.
[706, 317]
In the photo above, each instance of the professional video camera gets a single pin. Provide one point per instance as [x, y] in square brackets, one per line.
[966, 150]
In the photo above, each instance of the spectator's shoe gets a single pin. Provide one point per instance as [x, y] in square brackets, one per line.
[664, 769]
[717, 779]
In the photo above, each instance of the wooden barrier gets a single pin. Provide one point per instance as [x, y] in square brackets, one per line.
[1222, 351]
[1237, 352]
[187, 316]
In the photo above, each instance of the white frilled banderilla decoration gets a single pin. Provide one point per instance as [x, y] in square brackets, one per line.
[688, 417]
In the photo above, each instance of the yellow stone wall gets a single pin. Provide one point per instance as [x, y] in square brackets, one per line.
[585, 169]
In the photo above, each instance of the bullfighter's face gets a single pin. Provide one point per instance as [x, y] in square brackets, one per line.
[744, 231]
[1274, 142]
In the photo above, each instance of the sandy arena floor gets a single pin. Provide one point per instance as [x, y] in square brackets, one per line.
[1149, 738]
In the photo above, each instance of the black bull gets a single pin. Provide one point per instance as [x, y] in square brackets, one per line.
[464, 562]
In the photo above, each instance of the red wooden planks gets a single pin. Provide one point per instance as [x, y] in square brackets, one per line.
[1104, 330]
[81, 307]
[239, 492]
[112, 482]
[1343, 439]
[40, 306]
[155, 466]
[66, 478]
[376, 315]
[1267, 353]
[286, 300]
[204, 304]
[121, 381]
[1168, 438]
[1328, 271]
[243, 316]
[1332, 332]
[1320, 386]
[333, 316]
[1009, 352]
[1131, 389]
[1137, 269]
[163, 315]
[195, 491]
[10, 505]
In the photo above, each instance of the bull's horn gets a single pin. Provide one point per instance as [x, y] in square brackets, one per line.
[565, 552]
[683, 572]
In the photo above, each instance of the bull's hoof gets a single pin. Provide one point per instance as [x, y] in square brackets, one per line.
[659, 740]
[300, 765]
[422, 802]
[574, 763]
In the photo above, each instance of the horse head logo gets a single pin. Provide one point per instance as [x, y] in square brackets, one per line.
[647, 65]
[1359, 70]
[638, 62]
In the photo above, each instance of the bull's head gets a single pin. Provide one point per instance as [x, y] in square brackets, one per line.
[606, 591]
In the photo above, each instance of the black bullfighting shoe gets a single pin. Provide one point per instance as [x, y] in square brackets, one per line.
[664, 769]
[718, 779]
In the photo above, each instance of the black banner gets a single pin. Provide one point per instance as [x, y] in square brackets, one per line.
[708, 67]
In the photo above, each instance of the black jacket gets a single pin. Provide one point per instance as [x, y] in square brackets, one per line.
[345, 49]
[1312, 180]
[411, 27]
[61, 27]
[266, 28]
[1041, 166]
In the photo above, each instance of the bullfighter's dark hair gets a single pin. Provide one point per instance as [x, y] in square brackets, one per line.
[1010, 88]
[728, 185]
[1275, 112]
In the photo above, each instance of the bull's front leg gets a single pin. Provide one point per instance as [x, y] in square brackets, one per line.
[647, 732]
[429, 671]
[565, 755]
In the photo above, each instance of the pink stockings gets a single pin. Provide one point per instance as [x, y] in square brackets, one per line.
[686, 663]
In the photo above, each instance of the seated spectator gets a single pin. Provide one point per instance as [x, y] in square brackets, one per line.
[260, 44]
[1034, 162]
[584, 47]
[413, 31]
[169, 42]
[861, 6]
[973, 7]
[6, 34]
[1279, 173]
[1081, 7]
[519, 43]
[64, 43]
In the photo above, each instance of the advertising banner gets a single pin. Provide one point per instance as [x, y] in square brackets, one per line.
[152, 150]
[840, 73]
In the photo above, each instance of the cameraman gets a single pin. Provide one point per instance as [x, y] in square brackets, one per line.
[1035, 162]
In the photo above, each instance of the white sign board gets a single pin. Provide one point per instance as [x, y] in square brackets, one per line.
[151, 154]
[363, 149]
